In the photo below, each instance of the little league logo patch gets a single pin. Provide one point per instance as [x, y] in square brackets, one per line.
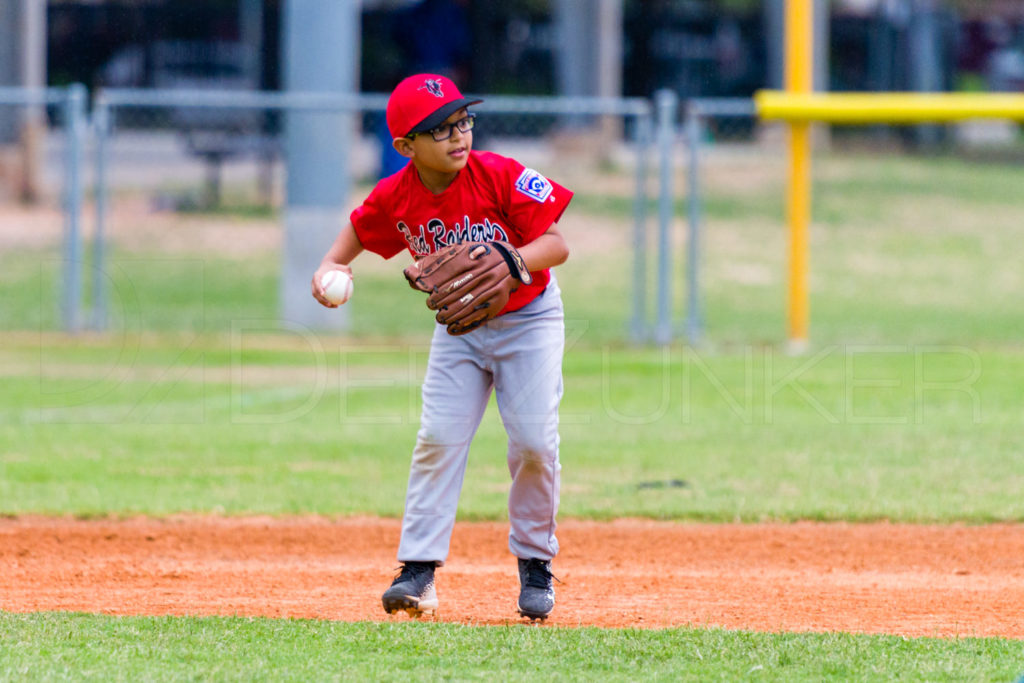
[534, 185]
[432, 86]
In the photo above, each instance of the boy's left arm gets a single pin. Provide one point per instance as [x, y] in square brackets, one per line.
[548, 250]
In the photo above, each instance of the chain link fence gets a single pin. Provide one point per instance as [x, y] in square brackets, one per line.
[718, 132]
[43, 133]
[902, 232]
[193, 184]
[178, 197]
[164, 210]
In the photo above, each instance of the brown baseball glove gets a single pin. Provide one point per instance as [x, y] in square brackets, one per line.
[468, 283]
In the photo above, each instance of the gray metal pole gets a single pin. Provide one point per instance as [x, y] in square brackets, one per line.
[572, 26]
[638, 326]
[33, 44]
[74, 123]
[693, 205]
[667, 103]
[774, 16]
[250, 29]
[321, 48]
[101, 129]
[33, 75]
[924, 55]
[608, 60]
[9, 73]
[925, 47]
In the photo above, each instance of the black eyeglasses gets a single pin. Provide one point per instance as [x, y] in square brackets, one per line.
[444, 131]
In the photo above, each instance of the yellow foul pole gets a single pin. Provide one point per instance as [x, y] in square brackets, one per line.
[799, 51]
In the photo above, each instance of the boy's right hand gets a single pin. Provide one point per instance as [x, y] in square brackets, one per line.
[318, 289]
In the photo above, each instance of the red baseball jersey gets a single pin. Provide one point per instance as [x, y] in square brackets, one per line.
[492, 198]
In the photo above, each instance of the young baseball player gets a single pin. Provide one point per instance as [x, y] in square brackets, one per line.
[446, 195]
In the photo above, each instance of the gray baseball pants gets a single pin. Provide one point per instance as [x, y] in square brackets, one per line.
[519, 356]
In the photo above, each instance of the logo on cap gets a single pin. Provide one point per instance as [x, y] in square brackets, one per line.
[432, 86]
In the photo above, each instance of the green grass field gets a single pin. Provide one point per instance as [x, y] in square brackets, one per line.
[168, 424]
[906, 407]
[52, 646]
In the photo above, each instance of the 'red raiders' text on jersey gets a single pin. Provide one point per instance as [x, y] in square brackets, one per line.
[436, 235]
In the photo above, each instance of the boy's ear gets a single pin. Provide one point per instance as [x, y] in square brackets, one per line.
[403, 146]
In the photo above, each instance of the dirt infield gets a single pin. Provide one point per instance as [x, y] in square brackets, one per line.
[867, 578]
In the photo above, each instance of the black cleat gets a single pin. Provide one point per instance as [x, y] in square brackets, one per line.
[536, 594]
[412, 590]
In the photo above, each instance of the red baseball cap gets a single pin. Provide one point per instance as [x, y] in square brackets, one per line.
[422, 102]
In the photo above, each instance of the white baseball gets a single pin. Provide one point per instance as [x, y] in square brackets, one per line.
[337, 286]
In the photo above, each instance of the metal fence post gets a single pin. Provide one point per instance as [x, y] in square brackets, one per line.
[74, 123]
[638, 326]
[698, 113]
[693, 206]
[667, 103]
[101, 130]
